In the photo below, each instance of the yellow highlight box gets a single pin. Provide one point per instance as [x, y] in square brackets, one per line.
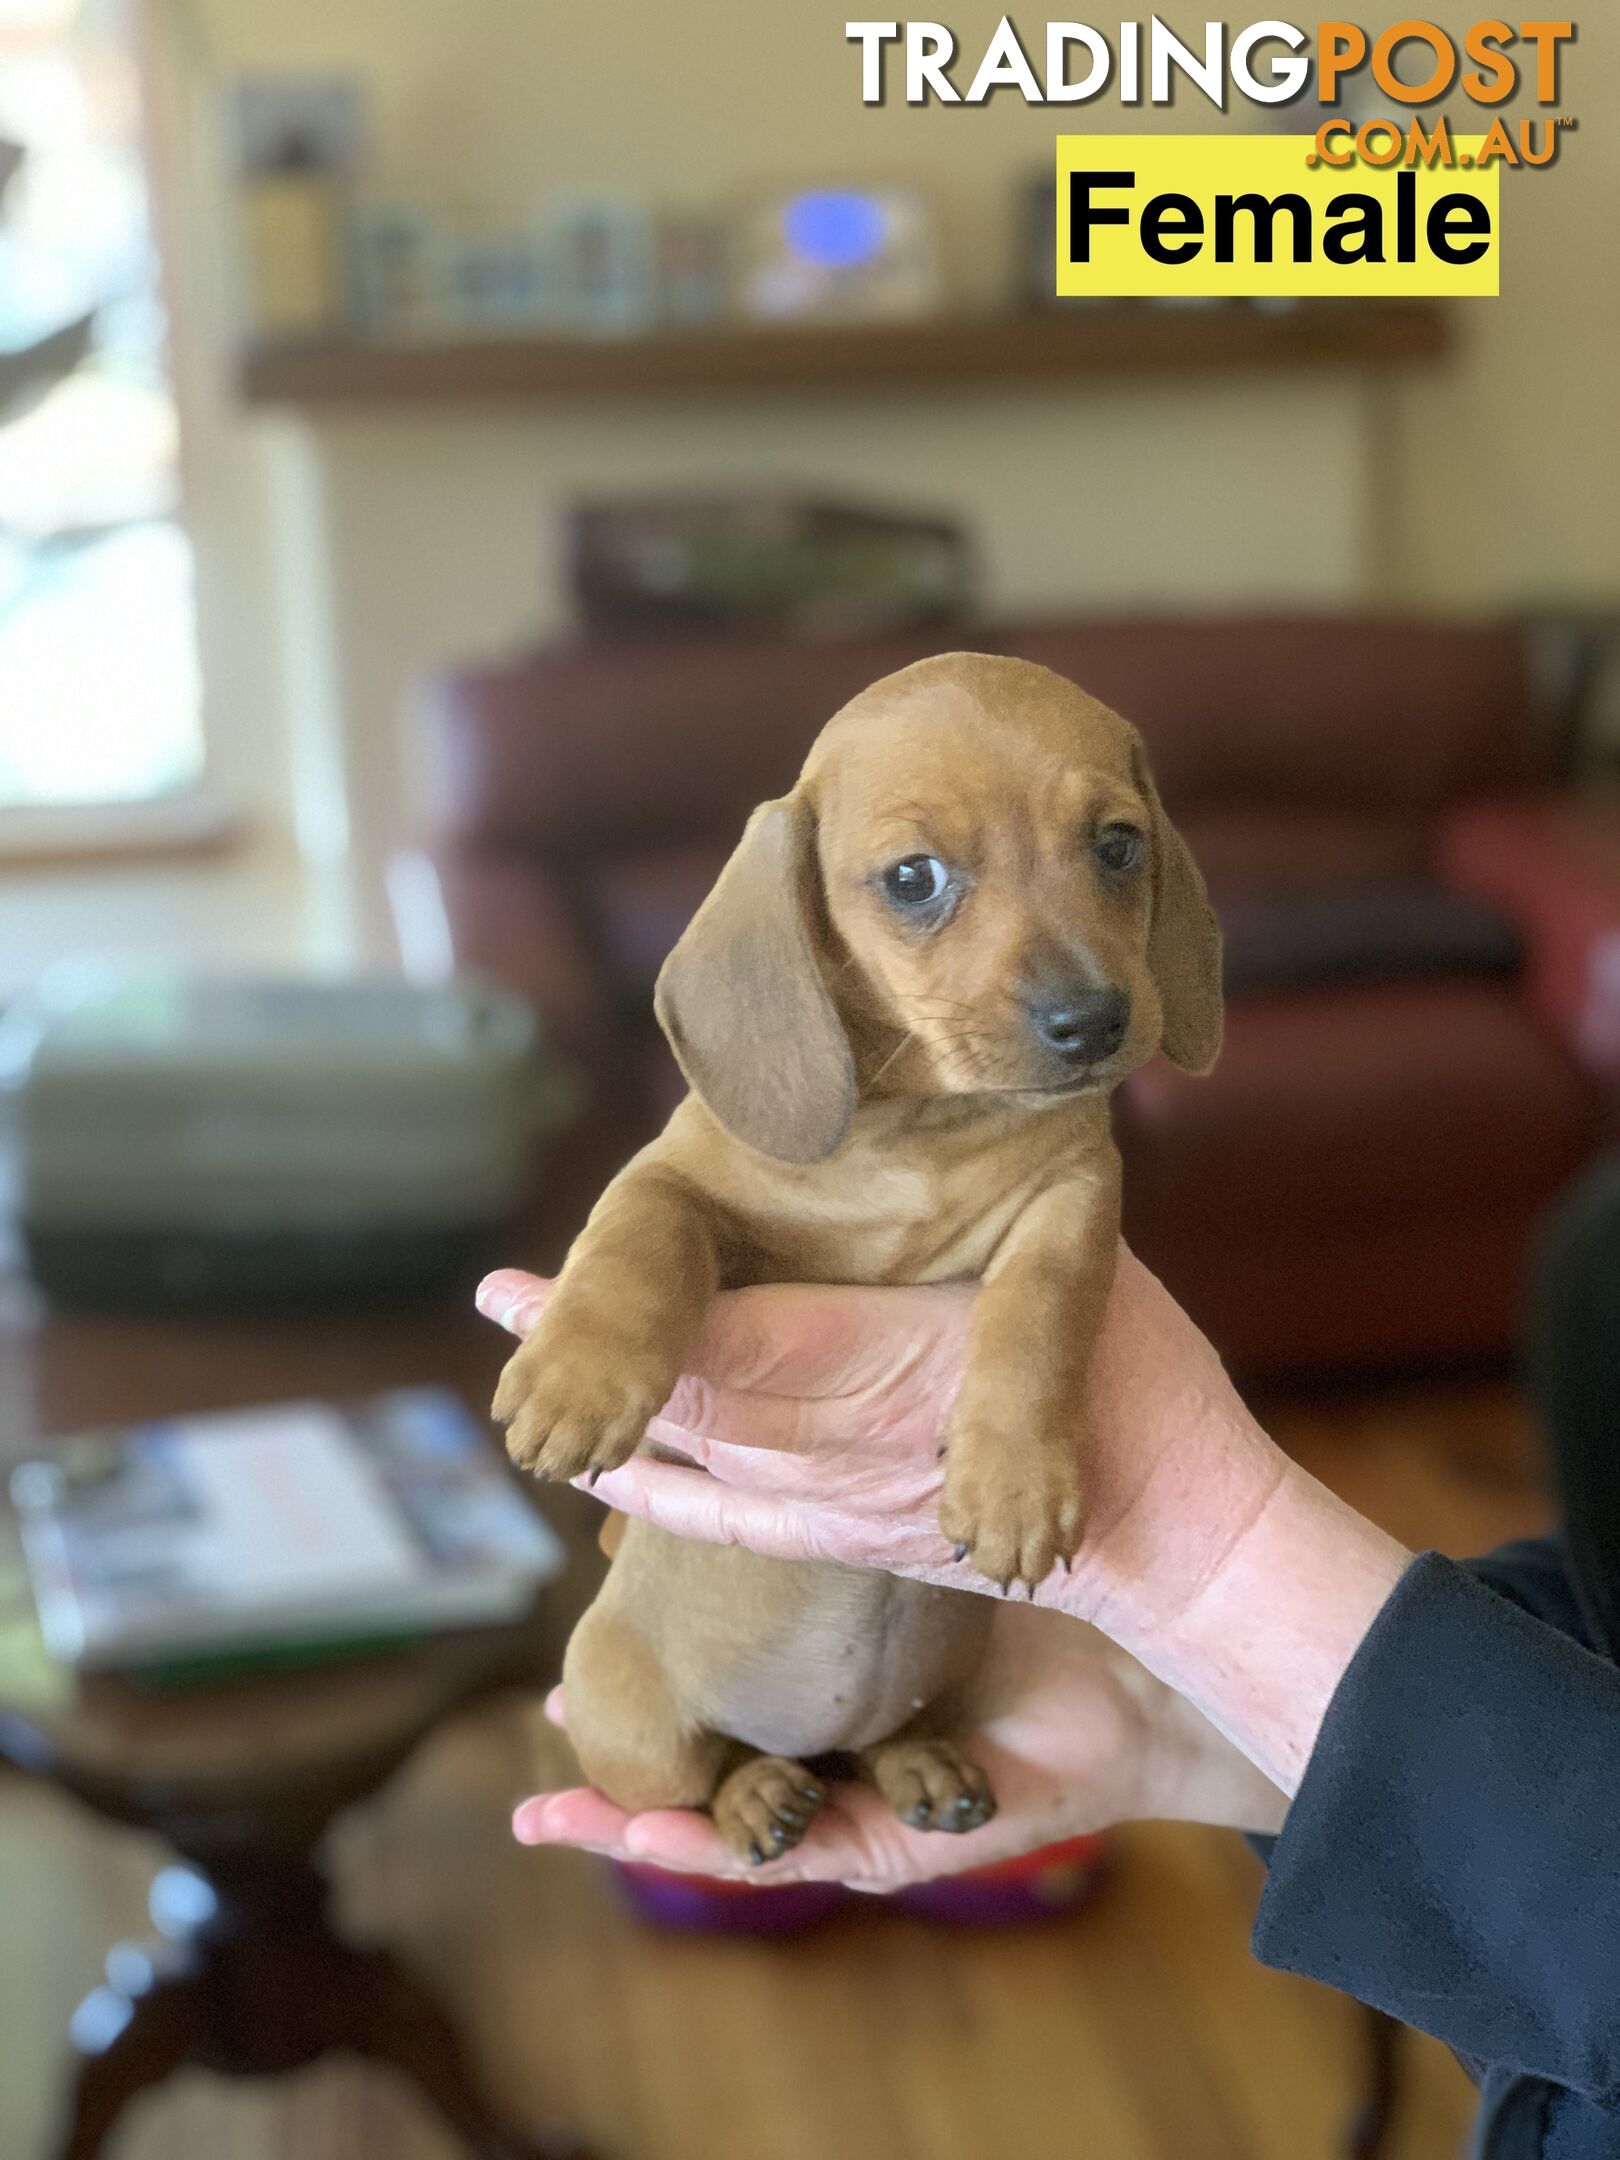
[1167, 216]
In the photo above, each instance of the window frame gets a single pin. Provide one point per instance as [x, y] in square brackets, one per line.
[204, 815]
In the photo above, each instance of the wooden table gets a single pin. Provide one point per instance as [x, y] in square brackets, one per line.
[246, 1974]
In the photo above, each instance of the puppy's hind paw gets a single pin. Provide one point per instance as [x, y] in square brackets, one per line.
[765, 1806]
[931, 1784]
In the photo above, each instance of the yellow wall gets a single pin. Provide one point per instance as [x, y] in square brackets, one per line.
[1508, 476]
[1505, 470]
[428, 533]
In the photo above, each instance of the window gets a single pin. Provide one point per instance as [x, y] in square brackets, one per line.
[99, 693]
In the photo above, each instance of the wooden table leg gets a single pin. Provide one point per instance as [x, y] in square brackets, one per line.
[125, 2044]
[249, 1978]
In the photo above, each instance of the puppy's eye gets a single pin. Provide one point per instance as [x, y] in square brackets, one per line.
[1118, 847]
[918, 882]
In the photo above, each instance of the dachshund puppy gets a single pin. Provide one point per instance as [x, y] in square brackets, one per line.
[900, 1012]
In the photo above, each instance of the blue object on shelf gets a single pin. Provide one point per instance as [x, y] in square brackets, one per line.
[838, 229]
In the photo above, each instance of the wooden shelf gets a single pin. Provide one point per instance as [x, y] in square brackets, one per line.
[1125, 339]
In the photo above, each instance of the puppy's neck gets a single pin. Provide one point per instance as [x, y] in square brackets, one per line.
[884, 1120]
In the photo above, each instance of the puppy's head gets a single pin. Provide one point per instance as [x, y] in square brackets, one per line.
[972, 890]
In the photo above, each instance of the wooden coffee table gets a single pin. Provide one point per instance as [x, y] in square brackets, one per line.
[246, 1973]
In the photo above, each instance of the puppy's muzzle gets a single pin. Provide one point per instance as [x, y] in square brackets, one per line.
[1081, 1026]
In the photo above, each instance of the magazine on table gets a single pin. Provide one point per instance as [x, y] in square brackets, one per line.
[296, 1524]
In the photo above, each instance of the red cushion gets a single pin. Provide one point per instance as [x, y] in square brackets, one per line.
[1360, 1105]
[1552, 864]
[1310, 1297]
[1263, 849]
[1361, 933]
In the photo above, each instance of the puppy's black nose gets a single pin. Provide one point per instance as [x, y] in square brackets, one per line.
[1082, 1026]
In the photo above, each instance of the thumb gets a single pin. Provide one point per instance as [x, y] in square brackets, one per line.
[512, 1299]
[691, 1504]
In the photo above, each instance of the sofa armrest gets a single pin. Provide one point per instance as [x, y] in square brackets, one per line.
[1551, 864]
[496, 911]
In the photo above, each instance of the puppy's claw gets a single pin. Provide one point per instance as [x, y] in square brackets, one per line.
[1014, 1506]
[574, 1407]
[931, 1785]
[961, 1551]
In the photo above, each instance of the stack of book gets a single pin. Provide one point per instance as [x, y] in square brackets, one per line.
[276, 1534]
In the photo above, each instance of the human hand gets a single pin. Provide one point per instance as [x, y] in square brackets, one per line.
[810, 1424]
[1074, 1735]
[818, 1415]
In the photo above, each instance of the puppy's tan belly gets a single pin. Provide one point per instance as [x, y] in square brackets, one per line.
[795, 1658]
[862, 1663]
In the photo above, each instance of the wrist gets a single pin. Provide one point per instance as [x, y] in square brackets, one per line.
[1181, 1768]
[1272, 1635]
[1261, 1644]
[1192, 1773]
[1237, 1579]
[1173, 1507]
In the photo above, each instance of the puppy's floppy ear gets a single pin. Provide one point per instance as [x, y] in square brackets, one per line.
[1184, 944]
[743, 1002]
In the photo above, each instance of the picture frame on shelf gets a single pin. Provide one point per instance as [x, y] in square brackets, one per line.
[601, 264]
[399, 265]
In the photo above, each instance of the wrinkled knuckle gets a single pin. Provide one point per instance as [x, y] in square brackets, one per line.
[690, 1405]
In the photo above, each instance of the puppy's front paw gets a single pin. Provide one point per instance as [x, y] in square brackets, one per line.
[1014, 1506]
[572, 1404]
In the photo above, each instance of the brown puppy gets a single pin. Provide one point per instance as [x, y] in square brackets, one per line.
[901, 1011]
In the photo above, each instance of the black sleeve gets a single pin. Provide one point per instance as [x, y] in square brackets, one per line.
[1453, 1854]
[1535, 1573]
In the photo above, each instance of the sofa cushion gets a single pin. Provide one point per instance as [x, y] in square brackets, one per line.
[1362, 1104]
[1359, 934]
[1259, 848]
[1300, 1300]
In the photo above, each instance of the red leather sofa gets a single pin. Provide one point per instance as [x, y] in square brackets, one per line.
[1422, 918]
